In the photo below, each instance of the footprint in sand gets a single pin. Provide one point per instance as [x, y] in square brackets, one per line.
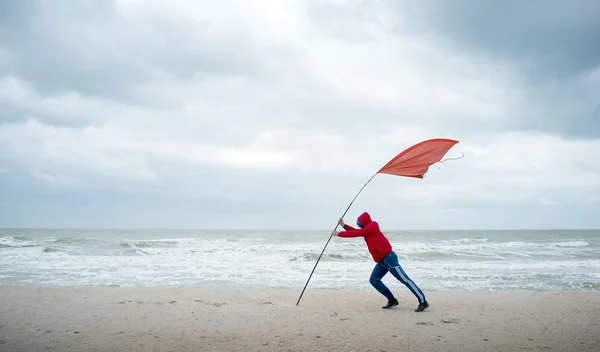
[218, 304]
[450, 321]
[425, 323]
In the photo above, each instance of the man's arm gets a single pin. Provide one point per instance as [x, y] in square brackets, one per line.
[355, 232]
[350, 231]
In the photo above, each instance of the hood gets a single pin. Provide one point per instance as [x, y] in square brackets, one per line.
[364, 219]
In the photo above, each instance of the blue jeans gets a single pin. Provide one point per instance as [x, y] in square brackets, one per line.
[390, 263]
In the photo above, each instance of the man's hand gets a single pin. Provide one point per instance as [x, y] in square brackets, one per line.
[341, 222]
[334, 233]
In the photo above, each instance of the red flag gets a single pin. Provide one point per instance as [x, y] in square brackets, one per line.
[415, 161]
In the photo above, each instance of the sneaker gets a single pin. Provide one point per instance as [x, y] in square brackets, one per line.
[422, 307]
[391, 303]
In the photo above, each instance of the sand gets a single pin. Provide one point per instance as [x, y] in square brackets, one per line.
[167, 319]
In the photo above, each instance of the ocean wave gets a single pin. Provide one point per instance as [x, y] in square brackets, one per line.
[502, 261]
[150, 244]
[573, 244]
[313, 256]
[462, 249]
[17, 242]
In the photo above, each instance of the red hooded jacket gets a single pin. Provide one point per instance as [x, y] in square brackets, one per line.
[378, 244]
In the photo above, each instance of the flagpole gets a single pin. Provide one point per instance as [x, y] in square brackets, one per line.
[330, 236]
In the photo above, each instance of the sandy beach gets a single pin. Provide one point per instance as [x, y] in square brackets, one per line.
[167, 319]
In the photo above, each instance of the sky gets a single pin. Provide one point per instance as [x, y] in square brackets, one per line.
[272, 114]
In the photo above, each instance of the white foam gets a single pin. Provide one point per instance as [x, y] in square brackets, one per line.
[463, 263]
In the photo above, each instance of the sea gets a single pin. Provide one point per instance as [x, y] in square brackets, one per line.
[435, 260]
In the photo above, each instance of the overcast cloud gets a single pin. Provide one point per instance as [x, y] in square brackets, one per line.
[272, 114]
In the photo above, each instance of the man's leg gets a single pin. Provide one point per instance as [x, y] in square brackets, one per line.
[378, 273]
[375, 280]
[391, 260]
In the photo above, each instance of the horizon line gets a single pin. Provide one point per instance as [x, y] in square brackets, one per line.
[287, 229]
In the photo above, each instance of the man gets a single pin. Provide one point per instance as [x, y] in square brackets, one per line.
[386, 259]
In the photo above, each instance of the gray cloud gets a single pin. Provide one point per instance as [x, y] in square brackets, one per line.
[551, 46]
[141, 114]
[78, 53]
[547, 40]
[91, 48]
[144, 59]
